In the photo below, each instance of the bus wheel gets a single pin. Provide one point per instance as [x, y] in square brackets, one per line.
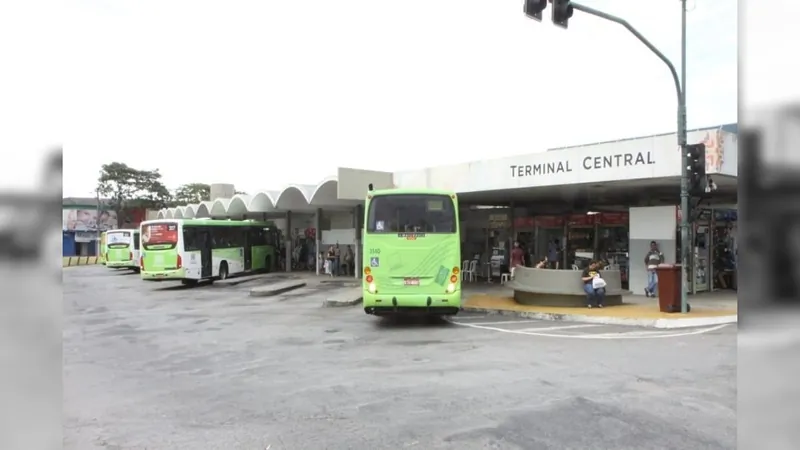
[268, 265]
[223, 270]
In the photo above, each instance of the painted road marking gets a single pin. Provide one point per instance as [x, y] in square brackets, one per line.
[564, 327]
[622, 335]
[502, 322]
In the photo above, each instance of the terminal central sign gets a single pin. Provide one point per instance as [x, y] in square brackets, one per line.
[587, 163]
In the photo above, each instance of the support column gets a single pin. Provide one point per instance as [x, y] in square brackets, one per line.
[317, 223]
[288, 241]
[358, 222]
[565, 245]
[512, 215]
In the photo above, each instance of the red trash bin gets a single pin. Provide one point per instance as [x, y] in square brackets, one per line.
[669, 288]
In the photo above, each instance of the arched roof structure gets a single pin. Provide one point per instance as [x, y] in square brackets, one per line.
[294, 197]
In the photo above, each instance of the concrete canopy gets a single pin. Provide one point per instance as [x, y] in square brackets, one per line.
[325, 193]
[219, 209]
[263, 201]
[238, 205]
[294, 197]
[202, 209]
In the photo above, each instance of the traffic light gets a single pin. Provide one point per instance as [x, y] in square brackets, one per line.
[696, 166]
[562, 11]
[534, 8]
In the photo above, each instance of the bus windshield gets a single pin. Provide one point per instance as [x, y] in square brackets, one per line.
[411, 213]
[160, 236]
[118, 239]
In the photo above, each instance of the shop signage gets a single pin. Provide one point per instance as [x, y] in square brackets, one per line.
[613, 218]
[85, 236]
[618, 160]
[550, 221]
[581, 220]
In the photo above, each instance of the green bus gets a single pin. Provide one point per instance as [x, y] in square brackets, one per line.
[412, 252]
[122, 249]
[206, 249]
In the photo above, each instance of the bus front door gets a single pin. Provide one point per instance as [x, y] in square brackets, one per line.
[205, 255]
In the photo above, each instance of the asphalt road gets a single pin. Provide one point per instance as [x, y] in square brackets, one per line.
[211, 368]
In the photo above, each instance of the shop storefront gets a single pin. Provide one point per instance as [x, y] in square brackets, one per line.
[571, 240]
[714, 250]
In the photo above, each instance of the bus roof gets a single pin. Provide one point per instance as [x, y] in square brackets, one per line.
[213, 222]
[410, 191]
[119, 230]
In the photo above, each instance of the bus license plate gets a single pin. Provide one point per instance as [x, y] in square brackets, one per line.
[411, 281]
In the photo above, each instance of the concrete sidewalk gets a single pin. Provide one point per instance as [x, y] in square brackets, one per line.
[635, 311]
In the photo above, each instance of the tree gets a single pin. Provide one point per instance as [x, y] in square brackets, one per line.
[191, 193]
[127, 188]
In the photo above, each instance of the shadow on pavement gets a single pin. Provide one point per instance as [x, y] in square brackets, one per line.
[180, 287]
[404, 321]
[125, 272]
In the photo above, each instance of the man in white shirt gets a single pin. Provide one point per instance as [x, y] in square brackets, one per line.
[653, 258]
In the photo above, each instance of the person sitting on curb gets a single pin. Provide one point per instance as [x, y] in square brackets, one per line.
[593, 285]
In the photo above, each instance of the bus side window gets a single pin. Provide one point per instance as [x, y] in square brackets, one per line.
[190, 239]
[136, 241]
[236, 237]
[221, 237]
[261, 237]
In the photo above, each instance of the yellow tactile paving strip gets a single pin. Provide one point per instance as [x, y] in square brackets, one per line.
[625, 311]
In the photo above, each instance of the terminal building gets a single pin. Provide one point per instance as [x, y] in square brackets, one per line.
[605, 201]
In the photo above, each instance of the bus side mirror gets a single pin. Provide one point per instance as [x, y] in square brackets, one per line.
[369, 187]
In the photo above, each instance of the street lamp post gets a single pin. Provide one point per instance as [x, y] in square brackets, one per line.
[564, 12]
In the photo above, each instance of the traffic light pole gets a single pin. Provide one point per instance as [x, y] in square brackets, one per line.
[681, 92]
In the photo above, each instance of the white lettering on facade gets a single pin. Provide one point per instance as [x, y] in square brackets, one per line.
[527, 170]
[588, 163]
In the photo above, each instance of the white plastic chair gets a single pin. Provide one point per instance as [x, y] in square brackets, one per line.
[575, 267]
[505, 277]
[469, 274]
[465, 265]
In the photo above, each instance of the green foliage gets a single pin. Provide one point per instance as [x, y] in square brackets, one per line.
[191, 193]
[126, 187]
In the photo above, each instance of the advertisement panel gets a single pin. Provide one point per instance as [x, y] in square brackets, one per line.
[119, 239]
[160, 235]
[88, 220]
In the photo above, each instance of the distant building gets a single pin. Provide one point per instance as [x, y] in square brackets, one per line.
[84, 218]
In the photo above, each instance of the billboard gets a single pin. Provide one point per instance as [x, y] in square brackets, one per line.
[88, 220]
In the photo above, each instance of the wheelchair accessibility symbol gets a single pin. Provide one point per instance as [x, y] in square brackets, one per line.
[374, 262]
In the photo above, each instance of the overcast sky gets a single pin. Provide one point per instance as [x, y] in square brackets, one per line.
[264, 93]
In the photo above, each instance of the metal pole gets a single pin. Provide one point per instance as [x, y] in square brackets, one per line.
[685, 241]
[98, 248]
[681, 93]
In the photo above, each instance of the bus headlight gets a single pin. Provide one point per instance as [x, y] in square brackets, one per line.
[372, 288]
[451, 288]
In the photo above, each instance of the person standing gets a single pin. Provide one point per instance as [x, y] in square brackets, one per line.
[651, 261]
[552, 254]
[337, 264]
[348, 261]
[330, 257]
